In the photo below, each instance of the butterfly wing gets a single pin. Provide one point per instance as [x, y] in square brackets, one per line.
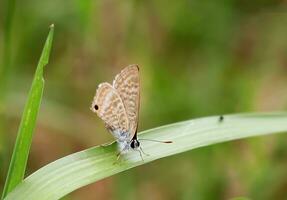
[127, 84]
[108, 105]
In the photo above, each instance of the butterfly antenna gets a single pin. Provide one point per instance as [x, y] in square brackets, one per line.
[160, 141]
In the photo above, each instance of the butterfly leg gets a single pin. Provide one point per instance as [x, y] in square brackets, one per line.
[118, 158]
[140, 155]
[143, 151]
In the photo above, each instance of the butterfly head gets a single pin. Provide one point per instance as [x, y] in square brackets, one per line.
[134, 144]
[126, 145]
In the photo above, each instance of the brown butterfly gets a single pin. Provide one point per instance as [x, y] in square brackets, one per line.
[118, 106]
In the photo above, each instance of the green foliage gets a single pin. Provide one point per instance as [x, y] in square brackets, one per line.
[28, 121]
[77, 170]
[197, 58]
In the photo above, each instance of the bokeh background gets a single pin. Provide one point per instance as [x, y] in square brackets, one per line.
[197, 58]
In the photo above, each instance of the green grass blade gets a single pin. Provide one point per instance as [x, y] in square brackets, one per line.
[77, 170]
[28, 121]
[5, 75]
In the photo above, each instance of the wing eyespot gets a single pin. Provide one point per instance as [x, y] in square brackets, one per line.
[96, 107]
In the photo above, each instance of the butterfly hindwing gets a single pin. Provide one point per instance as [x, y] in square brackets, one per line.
[127, 84]
[108, 105]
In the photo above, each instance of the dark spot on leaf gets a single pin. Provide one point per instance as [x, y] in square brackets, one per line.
[221, 118]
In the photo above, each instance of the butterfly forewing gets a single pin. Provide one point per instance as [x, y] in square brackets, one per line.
[127, 84]
[110, 108]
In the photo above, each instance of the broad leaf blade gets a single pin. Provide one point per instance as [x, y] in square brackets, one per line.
[28, 121]
[77, 170]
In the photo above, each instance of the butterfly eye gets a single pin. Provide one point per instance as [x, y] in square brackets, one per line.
[132, 144]
[135, 144]
[96, 107]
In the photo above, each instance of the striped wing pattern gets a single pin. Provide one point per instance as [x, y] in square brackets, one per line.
[127, 84]
[108, 105]
[118, 104]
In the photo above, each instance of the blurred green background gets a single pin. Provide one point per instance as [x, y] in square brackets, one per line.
[197, 58]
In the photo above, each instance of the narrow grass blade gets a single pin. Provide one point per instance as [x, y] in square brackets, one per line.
[5, 75]
[28, 121]
[77, 170]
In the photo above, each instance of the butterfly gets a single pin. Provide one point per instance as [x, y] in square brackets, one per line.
[118, 106]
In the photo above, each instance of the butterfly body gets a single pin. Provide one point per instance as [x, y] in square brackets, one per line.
[118, 105]
[125, 144]
[128, 145]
